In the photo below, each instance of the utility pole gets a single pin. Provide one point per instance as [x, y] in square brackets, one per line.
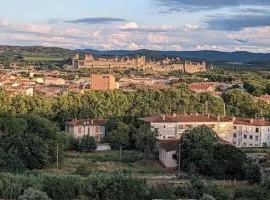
[179, 158]
[57, 157]
[224, 110]
[120, 157]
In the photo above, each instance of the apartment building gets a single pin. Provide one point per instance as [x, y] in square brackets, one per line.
[103, 82]
[240, 132]
[172, 126]
[251, 133]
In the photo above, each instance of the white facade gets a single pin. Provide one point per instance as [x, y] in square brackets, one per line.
[175, 130]
[240, 132]
[251, 136]
[167, 158]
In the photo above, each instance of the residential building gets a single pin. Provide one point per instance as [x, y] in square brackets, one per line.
[167, 153]
[103, 82]
[202, 87]
[172, 126]
[240, 132]
[92, 127]
[251, 133]
[54, 81]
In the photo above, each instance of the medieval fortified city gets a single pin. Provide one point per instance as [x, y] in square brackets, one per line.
[135, 100]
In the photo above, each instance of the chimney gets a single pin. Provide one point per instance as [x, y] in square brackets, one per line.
[218, 118]
[92, 121]
[251, 121]
[233, 119]
[174, 114]
[208, 115]
[73, 121]
[197, 114]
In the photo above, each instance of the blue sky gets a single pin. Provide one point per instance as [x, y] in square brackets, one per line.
[226, 25]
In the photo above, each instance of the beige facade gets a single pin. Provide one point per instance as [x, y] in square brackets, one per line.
[92, 127]
[125, 62]
[54, 81]
[167, 64]
[103, 82]
[173, 126]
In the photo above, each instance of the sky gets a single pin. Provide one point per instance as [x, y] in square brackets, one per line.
[171, 25]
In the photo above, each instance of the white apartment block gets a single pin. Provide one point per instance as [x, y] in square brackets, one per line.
[251, 133]
[237, 131]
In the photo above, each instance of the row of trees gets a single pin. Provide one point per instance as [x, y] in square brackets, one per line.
[100, 104]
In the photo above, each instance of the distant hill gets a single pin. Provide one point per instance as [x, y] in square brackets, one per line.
[212, 56]
[215, 56]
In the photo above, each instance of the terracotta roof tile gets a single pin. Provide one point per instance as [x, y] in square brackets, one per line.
[91, 122]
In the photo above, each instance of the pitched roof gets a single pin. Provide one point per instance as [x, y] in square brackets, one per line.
[251, 122]
[200, 86]
[169, 145]
[88, 122]
[184, 118]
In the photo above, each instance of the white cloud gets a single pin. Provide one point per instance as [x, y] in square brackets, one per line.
[129, 25]
[133, 46]
[157, 38]
[38, 28]
[73, 31]
[190, 27]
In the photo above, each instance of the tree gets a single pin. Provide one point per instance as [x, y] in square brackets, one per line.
[197, 146]
[87, 144]
[146, 139]
[254, 174]
[119, 137]
[202, 152]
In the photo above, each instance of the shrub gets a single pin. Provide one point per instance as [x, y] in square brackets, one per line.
[33, 194]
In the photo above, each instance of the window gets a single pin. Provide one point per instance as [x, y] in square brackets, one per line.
[189, 126]
[235, 127]
[97, 129]
[256, 145]
[88, 130]
[164, 126]
[234, 143]
[256, 138]
[79, 130]
[257, 130]
[251, 137]
[244, 144]
[245, 136]
[234, 135]
[268, 129]
[250, 145]
[181, 126]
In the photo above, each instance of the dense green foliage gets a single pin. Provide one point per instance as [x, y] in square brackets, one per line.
[117, 186]
[100, 104]
[202, 152]
[27, 142]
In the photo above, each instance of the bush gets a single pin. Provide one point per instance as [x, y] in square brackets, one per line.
[254, 174]
[33, 194]
[207, 197]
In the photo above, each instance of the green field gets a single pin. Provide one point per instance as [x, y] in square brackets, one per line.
[131, 161]
[44, 58]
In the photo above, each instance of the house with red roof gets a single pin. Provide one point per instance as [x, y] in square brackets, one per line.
[92, 127]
